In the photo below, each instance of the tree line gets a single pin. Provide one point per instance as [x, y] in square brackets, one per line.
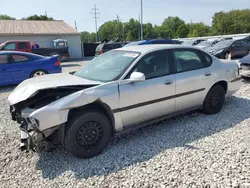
[32, 17]
[232, 22]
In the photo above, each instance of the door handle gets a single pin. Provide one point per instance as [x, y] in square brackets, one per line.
[168, 82]
[3, 69]
[207, 74]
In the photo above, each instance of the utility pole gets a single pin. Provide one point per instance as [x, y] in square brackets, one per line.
[141, 22]
[139, 28]
[118, 29]
[46, 13]
[75, 25]
[95, 13]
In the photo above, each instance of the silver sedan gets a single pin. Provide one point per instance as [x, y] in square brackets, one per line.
[118, 91]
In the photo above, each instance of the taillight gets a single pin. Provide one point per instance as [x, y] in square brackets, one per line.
[102, 52]
[57, 64]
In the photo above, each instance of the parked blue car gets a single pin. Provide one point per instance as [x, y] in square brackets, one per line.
[153, 41]
[16, 67]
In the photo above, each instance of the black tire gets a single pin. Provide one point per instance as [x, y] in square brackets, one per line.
[214, 100]
[87, 134]
[37, 71]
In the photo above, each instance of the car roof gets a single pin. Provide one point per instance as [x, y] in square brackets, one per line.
[19, 53]
[152, 47]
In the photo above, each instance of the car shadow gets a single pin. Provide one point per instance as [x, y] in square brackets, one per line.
[144, 144]
[7, 89]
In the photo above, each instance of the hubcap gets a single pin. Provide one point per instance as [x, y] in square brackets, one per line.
[38, 73]
[89, 135]
[214, 100]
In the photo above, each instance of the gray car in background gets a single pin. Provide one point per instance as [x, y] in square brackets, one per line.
[119, 91]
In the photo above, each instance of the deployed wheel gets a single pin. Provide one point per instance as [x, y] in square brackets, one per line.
[214, 100]
[38, 73]
[88, 134]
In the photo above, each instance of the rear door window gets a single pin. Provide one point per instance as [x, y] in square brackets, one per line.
[22, 45]
[19, 58]
[187, 60]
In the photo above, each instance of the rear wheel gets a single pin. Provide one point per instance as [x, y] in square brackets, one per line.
[88, 134]
[38, 73]
[214, 100]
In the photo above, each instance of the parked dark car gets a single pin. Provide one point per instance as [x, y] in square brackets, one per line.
[152, 41]
[237, 48]
[193, 42]
[178, 41]
[107, 46]
[206, 44]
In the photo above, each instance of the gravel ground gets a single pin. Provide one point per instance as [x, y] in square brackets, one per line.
[194, 150]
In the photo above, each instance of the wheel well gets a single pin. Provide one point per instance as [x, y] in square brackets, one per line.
[98, 106]
[223, 84]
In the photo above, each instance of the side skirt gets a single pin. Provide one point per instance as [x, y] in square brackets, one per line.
[131, 128]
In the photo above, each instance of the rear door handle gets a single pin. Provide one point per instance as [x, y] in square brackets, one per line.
[207, 74]
[168, 82]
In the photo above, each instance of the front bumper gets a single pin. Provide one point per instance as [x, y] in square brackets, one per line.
[31, 137]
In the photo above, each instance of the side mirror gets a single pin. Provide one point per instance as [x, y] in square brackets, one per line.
[137, 77]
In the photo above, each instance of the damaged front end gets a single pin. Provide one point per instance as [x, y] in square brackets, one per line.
[33, 137]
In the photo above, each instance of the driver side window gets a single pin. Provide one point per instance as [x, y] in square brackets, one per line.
[153, 65]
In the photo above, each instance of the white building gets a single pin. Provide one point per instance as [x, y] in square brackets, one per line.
[42, 33]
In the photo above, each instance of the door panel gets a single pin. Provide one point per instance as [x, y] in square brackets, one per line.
[190, 86]
[19, 67]
[152, 98]
[5, 78]
[147, 100]
[192, 79]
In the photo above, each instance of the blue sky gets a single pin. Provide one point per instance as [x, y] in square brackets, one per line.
[154, 11]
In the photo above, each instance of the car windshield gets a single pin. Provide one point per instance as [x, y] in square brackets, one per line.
[224, 43]
[108, 66]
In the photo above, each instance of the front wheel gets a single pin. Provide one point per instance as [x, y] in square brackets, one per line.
[88, 134]
[214, 100]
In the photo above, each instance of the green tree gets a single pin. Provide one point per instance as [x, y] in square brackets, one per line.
[170, 26]
[131, 30]
[88, 37]
[232, 22]
[110, 30]
[36, 17]
[6, 17]
[198, 30]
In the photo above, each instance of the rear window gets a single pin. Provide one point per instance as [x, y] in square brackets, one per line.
[108, 47]
[99, 47]
[22, 45]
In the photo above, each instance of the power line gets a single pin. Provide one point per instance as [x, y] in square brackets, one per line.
[95, 13]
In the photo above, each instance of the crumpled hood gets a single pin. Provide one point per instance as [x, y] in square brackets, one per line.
[29, 87]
